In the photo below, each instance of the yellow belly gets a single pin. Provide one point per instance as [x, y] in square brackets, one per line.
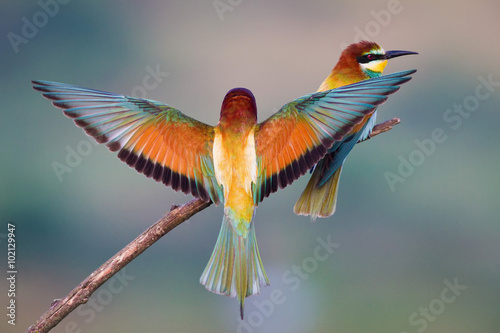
[236, 169]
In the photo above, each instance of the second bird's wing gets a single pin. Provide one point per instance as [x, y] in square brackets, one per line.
[294, 139]
[152, 137]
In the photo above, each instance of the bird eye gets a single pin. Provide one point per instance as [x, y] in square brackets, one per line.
[367, 58]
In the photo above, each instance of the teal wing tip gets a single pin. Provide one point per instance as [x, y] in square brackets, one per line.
[39, 82]
[400, 74]
[42, 83]
[409, 72]
[50, 87]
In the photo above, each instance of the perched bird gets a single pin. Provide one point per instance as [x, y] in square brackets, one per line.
[358, 62]
[238, 162]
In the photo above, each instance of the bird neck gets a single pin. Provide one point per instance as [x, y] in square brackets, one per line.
[237, 121]
[238, 114]
[342, 76]
[371, 74]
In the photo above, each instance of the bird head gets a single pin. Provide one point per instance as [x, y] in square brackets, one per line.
[366, 59]
[239, 104]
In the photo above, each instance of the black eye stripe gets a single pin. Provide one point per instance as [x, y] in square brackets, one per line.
[364, 59]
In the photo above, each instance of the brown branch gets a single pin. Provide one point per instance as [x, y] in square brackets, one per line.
[81, 294]
[383, 127]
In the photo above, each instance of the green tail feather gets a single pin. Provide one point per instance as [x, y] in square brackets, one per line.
[319, 201]
[235, 268]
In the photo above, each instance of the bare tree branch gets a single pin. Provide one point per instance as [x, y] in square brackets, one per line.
[60, 308]
[81, 294]
[383, 127]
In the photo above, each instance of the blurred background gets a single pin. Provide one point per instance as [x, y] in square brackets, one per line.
[416, 232]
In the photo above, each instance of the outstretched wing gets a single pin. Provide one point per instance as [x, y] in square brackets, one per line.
[294, 139]
[154, 138]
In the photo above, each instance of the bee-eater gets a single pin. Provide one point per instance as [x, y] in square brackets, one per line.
[358, 62]
[238, 162]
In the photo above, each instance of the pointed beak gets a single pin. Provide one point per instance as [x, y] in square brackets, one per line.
[398, 53]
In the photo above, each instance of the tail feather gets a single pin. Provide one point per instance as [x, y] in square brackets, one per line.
[235, 268]
[319, 201]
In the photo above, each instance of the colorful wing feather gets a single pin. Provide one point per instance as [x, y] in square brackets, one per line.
[294, 139]
[154, 138]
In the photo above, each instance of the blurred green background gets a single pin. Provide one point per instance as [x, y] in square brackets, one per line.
[395, 247]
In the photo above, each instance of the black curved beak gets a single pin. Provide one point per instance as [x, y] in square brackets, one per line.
[397, 53]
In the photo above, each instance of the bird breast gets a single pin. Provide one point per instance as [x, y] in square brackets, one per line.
[235, 163]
